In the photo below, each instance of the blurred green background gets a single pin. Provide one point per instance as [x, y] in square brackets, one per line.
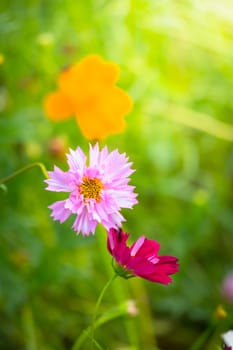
[176, 60]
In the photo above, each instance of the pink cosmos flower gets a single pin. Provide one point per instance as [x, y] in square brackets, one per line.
[96, 192]
[141, 259]
[227, 287]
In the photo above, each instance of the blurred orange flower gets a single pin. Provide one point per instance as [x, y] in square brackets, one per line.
[87, 90]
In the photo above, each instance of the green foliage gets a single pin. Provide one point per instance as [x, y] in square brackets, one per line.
[176, 63]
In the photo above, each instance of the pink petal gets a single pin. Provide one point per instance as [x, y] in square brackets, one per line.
[125, 199]
[59, 212]
[94, 155]
[76, 161]
[59, 181]
[117, 167]
[84, 224]
[115, 218]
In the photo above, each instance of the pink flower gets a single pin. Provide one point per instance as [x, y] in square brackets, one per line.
[141, 259]
[96, 192]
[227, 287]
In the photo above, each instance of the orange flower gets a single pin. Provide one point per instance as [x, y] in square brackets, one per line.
[87, 90]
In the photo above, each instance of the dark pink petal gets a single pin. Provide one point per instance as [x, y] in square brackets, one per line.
[156, 277]
[116, 245]
[169, 264]
[166, 266]
[140, 266]
[145, 248]
[153, 272]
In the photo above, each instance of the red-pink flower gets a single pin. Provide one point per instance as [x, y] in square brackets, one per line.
[141, 259]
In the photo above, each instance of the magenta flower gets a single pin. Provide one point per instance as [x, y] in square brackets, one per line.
[141, 259]
[96, 192]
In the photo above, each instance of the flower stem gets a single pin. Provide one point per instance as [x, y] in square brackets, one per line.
[29, 328]
[22, 170]
[99, 301]
[201, 341]
[89, 332]
[112, 314]
[120, 292]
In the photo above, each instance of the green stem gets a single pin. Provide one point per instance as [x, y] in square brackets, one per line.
[121, 292]
[22, 170]
[200, 342]
[90, 330]
[116, 312]
[99, 301]
[29, 328]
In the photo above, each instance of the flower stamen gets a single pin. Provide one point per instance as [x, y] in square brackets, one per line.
[91, 188]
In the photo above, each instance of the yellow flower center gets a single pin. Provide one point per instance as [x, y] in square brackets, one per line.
[91, 188]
